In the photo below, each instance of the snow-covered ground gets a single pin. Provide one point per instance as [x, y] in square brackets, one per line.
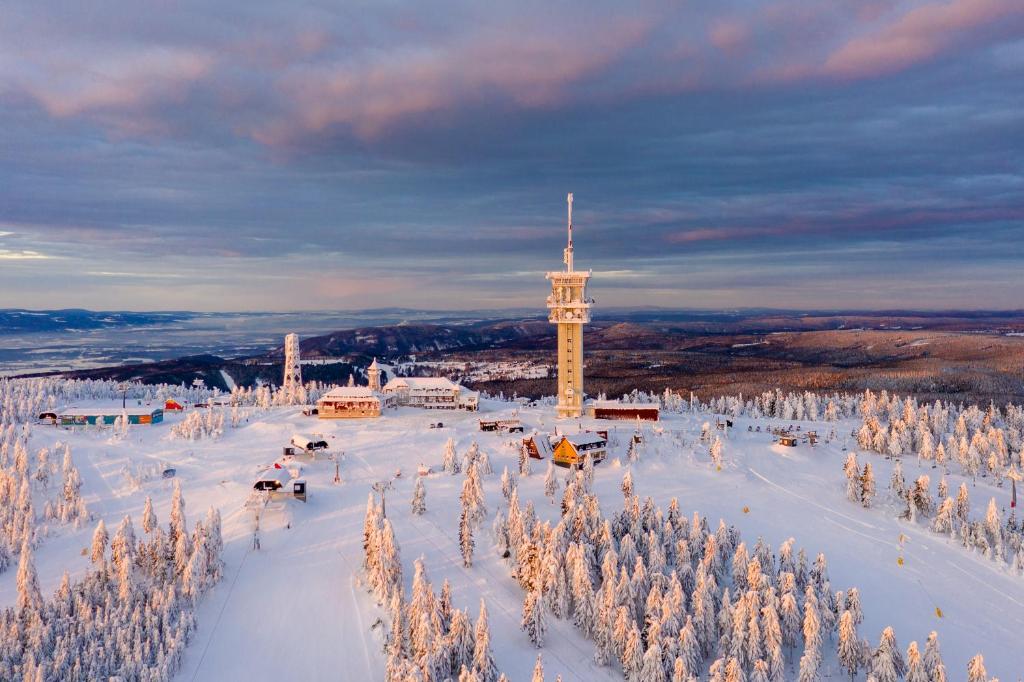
[295, 609]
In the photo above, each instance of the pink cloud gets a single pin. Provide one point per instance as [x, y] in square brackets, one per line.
[130, 93]
[528, 68]
[918, 35]
[729, 35]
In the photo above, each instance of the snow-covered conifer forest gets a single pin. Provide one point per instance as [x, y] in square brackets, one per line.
[697, 550]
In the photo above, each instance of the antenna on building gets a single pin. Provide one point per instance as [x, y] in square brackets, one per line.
[568, 249]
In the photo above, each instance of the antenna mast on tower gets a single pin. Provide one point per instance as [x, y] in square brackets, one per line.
[568, 249]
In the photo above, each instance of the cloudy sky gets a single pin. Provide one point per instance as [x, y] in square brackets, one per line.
[347, 154]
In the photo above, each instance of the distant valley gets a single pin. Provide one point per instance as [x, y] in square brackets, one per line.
[958, 356]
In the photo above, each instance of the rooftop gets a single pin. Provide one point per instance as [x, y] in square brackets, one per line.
[585, 439]
[114, 409]
[348, 393]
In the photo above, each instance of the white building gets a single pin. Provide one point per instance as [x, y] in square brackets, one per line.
[431, 393]
[352, 402]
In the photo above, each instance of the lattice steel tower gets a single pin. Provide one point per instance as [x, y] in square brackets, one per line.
[292, 366]
[569, 308]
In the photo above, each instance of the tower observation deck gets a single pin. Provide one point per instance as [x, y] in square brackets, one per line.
[569, 308]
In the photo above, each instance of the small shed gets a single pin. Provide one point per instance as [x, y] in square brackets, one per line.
[788, 440]
[272, 478]
[572, 450]
[172, 405]
[309, 443]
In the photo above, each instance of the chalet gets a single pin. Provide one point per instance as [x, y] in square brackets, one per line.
[538, 446]
[172, 405]
[81, 416]
[572, 450]
[788, 440]
[615, 409]
[431, 393]
[352, 402]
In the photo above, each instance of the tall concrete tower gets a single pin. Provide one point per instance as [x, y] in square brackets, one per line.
[292, 367]
[373, 375]
[569, 308]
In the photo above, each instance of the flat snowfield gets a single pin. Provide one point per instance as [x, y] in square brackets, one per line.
[295, 608]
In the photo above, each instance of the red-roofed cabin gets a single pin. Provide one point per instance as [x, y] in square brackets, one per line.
[173, 405]
[613, 409]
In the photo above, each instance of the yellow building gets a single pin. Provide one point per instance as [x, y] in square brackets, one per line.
[572, 450]
[569, 308]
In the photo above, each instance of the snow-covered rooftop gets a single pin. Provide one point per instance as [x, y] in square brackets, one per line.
[619, 405]
[423, 383]
[348, 393]
[115, 410]
[585, 439]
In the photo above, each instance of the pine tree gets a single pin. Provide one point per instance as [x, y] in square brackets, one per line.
[30, 599]
[466, 538]
[550, 482]
[632, 656]
[867, 485]
[963, 504]
[149, 521]
[916, 671]
[849, 647]
[538, 671]
[177, 514]
[627, 484]
[524, 461]
[472, 496]
[508, 483]
[852, 604]
[450, 460]
[976, 670]
[943, 522]
[853, 483]
[419, 497]
[689, 647]
[99, 544]
[534, 622]
[653, 668]
[886, 662]
[483, 659]
[932, 656]
[896, 483]
[716, 452]
[811, 660]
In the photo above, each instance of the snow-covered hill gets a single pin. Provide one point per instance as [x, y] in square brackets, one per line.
[297, 607]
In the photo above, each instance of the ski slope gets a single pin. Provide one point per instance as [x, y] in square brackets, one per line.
[295, 608]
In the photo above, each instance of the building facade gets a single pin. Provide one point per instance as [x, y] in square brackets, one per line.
[614, 409]
[572, 450]
[431, 393]
[81, 416]
[569, 308]
[352, 402]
